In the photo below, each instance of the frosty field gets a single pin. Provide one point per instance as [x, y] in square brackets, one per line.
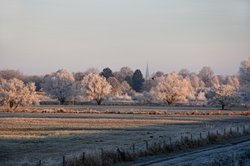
[30, 137]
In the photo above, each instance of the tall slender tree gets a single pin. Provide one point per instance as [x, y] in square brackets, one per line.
[137, 80]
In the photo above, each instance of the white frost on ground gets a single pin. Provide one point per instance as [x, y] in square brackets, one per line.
[206, 157]
[51, 149]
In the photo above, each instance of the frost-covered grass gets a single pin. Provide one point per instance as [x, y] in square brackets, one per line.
[48, 136]
[240, 159]
[181, 145]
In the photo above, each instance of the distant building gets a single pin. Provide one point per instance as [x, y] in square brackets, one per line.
[147, 76]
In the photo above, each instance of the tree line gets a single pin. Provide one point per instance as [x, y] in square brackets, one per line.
[201, 88]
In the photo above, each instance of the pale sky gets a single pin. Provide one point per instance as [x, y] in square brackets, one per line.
[42, 36]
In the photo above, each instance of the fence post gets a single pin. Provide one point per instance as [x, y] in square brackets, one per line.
[146, 144]
[40, 163]
[200, 136]
[83, 157]
[217, 132]
[102, 152]
[102, 155]
[191, 137]
[164, 143]
[64, 163]
[244, 129]
[238, 130]
[170, 140]
[224, 131]
[133, 148]
[241, 162]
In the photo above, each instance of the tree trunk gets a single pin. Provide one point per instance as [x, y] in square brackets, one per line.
[99, 101]
[16, 106]
[62, 101]
[222, 106]
[11, 105]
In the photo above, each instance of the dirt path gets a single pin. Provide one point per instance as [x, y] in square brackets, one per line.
[202, 156]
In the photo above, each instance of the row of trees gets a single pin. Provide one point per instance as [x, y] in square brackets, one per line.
[172, 88]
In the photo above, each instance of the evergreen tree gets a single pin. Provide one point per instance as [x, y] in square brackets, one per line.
[137, 80]
[107, 72]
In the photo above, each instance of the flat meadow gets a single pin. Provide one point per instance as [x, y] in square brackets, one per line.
[48, 133]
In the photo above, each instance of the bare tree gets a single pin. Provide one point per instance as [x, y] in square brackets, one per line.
[59, 85]
[96, 87]
[14, 93]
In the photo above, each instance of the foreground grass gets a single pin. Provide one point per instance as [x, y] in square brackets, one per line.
[111, 158]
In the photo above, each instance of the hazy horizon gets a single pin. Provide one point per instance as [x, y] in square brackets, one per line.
[40, 37]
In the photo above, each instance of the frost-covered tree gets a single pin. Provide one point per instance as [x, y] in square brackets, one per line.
[145, 98]
[201, 96]
[157, 75]
[225, 95]
[245, 79]
[123, 73]
[172, 89]
[196, 82]
[91, 70]
[59, 85]
[216, 81]
[38, 80]
[14, 93]
[78, 76]
[116, 86]
[10, 74]
[148, 85]
[206, 74]
[126, 89]
[137, 80]
[233, 81]
[184, 73]
[245, 72]
[96, 87]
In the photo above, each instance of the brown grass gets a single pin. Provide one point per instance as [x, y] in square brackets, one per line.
[13, 128]
[131, 111]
